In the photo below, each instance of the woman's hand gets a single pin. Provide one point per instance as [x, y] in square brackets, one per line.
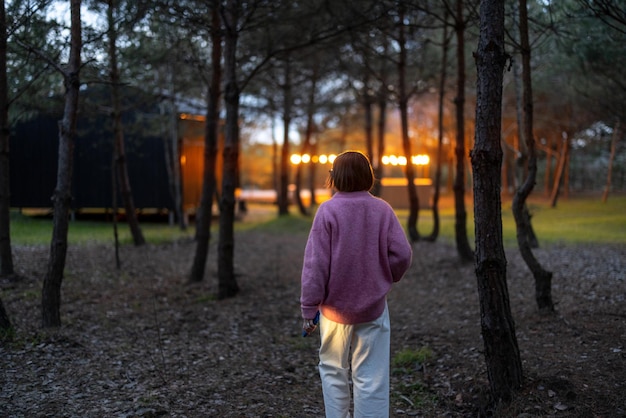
[309, 325]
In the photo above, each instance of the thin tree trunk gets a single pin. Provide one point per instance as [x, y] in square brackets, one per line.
[211, 135]
[304, 149]
[558, 175]
[120, 153]
[6, 328]
[406, 141]
[61, 198]
[283, 196]
[546, 177]
[312, 171]
[173, 143]
[442, 90]
[6, 257]
[543, 278]
[502, 356]
[368, 104]
[115, 209]
[227, 286]
[607, 187]
[307, 145]
[380, 141]
[460, 225]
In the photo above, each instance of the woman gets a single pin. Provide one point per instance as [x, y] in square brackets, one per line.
[355, 251]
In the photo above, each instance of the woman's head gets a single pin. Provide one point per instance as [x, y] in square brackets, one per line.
[351, 172]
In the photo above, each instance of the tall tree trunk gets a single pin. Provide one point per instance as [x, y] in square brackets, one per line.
[62, 197]
[380, 142]
[558, 175]
[406, 141]
[312, 176]
[173, 145]
[6, 257]
[307, 144]
[118, 132]
[522, 164]
[304, 149]
[227, 286]
[607, 187]
[368, 103]
[442, 90]
[543, 278]
[283, 196]
[460, 225]
[211, 135]
[546, 177]
[504, 366]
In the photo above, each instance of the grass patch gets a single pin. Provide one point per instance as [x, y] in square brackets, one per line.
[410, 391]
[30, 230]
[409, 358]
[291, 224]
[575, 220]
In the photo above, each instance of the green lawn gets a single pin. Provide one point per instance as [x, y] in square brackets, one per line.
[574, 220]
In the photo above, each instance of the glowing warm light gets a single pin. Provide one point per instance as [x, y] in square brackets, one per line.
[421, 159]
[306, 158]
[183, 159]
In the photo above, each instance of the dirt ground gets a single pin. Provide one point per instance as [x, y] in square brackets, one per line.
[142, 342]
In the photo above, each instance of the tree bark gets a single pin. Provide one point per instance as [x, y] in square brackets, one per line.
[406, 141]
[607, 187]
[380, 141]
[211, 135]
[525, 236]
[460, 225]
[504, 366]
[118, 132]
[51, 292]
[227, 286]
[283, 196]
[6, 257]
[442, 89]
[558, 175]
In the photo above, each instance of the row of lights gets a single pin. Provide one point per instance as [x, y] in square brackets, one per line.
[394, 160]
[306, 158]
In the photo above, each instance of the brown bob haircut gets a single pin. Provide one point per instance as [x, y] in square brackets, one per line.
[351, 172]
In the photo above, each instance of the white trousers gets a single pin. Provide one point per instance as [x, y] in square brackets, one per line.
[360, 352]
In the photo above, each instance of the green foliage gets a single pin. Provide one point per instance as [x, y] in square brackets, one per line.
[409, 358]
[411, 391]
[414, 394]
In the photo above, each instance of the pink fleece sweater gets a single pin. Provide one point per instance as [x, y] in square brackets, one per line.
[355, 251]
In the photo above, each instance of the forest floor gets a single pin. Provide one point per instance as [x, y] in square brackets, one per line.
[143, 342]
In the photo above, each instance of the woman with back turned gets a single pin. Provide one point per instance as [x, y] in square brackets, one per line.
[355, 251]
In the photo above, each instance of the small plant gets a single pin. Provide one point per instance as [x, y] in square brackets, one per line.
[409, 358]
[409, 390]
